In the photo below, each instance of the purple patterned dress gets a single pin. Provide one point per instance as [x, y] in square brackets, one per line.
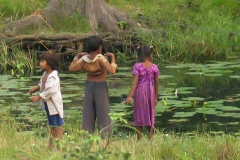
[144, 96]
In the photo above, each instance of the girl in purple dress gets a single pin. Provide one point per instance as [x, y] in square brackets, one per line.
[145, 91]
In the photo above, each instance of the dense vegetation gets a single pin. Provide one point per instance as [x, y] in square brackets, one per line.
[181, 31]
[185, 30]
[32, 145]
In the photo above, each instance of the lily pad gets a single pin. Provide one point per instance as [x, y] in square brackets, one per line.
[193, 99]
[232, 115]
[178, 120]
[208, 111]
[172, 84]
[183, 105]
[235, 76]
[215, 102]
[234, 66]
[165, 76]
[213, 75]
[184, 92]
[228, 108]
[184, 114]
[67, 100]
[175, 67]
[195, 73]
[168, 97]
[233, 123]
[185, 88]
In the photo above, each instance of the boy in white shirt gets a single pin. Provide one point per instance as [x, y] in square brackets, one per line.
[50, 95]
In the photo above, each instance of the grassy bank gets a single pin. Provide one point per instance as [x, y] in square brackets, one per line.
[180, 30]
[32, 145]
[188, 30]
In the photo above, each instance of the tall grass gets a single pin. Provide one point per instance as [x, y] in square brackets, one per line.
[181, 30]
[17, 60]
[11, 10]
[30, 145]
[187, 30]
[15, 9]
[74, 24]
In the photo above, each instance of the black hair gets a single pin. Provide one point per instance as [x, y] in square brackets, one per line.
[94, 42]
[143, 52]
[51, 59]
[104, 49]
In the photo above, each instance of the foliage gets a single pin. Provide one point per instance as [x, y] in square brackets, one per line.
[14, 9]
[18, 61]
[122, 24]
[124, 59]
[74, 145]
[79, 145]
[73, 24]
[185, 30]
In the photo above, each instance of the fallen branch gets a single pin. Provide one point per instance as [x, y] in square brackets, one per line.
[49, 38]
[67, 43]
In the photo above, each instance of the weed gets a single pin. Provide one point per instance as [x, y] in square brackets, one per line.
[183, 30]
[18, 61]
[122, 24]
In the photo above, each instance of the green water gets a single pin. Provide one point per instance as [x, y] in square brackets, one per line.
[192, 97]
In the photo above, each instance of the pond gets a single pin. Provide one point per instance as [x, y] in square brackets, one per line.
[203, 97]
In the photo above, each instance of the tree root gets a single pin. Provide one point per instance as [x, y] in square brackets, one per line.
[101, 16]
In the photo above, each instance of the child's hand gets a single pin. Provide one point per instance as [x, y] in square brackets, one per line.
[35, 98]
[128, 100]
[156, 101]
[109, 54]
[31, 91]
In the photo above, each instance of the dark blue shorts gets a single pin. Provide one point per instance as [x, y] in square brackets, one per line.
[53, 120]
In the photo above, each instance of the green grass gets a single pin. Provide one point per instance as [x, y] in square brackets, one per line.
[206, 37]
[30, 145]
[73, 24]
[14, 9]
[17, 60]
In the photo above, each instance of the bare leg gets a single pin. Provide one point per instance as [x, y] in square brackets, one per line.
[139, 132]
[55, 132]
[150, 132]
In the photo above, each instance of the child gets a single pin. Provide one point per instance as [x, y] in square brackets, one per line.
[145, 91]
[50, 95]
[96, 100]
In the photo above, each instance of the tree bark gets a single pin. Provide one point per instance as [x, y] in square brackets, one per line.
[100, 15]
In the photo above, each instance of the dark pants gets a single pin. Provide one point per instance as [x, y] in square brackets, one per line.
[96, 106]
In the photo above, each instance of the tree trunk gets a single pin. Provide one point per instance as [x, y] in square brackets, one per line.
[100, 15]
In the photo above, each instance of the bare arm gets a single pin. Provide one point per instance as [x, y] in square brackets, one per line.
[77, 62]
[111, 68]
[132, 91]
[134, 86]
[33, 90]
[74, 66]
[36, 88]
[156, 86]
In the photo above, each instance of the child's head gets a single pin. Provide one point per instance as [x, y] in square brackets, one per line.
[144, 53]
[49, 60]
[95, 43]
